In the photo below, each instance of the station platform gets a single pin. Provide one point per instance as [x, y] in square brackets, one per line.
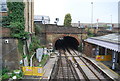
[105, 67]
[49, 67]
[109, 65]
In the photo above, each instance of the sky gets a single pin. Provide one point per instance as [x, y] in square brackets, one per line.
[81, 10]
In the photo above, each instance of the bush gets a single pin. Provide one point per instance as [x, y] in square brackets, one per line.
[38, 29]
[24, 56]
[5, 76]
[4, 70]
[89, 33]
[4, 73]
[34, 44]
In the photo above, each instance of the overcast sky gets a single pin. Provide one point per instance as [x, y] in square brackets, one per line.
[80, 10]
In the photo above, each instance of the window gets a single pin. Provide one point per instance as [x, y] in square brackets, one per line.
[3, 6]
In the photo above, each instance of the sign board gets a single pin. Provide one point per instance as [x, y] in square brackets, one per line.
[103, 57]
[39, 53]
[33, 71]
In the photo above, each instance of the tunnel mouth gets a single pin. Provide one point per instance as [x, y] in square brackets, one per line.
[66, 42]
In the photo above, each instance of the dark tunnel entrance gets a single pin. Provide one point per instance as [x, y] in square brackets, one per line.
[66, 42]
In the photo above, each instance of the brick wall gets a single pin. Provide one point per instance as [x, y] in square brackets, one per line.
[51, 32]
[87, 50]
[10, 54]
[3, 14]
[51, 28]
[4, 32]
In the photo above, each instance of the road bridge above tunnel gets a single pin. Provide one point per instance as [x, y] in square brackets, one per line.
[50, 33]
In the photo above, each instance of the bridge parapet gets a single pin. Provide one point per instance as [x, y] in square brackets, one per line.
[50, 28]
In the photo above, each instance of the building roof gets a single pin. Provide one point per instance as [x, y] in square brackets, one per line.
[40, 18]
[100, 24]
[110, 41]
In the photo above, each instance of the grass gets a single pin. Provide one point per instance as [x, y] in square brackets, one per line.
[44, 60]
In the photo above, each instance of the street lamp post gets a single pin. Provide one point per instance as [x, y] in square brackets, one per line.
[78, 24]
[92, 15]
[111, 22]
[80, 41]
[97, 24]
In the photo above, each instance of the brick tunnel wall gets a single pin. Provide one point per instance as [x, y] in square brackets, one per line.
[52, 38]
[49, 33]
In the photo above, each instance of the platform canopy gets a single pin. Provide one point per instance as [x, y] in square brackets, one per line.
[110, 41]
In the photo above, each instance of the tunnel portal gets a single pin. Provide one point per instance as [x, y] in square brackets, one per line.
[67, 42]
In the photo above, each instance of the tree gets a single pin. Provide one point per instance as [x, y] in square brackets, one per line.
[67, 20]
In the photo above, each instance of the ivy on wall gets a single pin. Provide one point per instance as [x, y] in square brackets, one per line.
[16, 19]
[4, 21]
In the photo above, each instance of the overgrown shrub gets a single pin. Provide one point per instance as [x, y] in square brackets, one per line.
[34, 44]
[16, 19]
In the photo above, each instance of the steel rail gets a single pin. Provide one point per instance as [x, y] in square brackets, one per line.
[95, 67]
[86, 65]
[72, 68]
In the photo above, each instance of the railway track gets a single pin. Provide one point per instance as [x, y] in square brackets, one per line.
[65, 70]
[71, 67]
[89, 70]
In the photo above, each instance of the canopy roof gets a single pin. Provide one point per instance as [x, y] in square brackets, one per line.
[110, 41]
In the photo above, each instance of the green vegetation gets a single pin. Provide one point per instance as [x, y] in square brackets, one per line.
[24, 56]
[16, 19]
[6, 74]
[4, 22]
[20, 46]
[89, 33]
[3, 73]
[4, 70]
[67, 20]
[80, 47]
[34, 44]
[37, 29]
[44, 60]
[105, 25]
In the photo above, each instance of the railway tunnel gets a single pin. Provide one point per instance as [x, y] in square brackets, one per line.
[67, 42]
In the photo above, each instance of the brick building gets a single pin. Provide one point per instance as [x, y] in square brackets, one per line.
[29, 15]
[9, 55]
[100, 25]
